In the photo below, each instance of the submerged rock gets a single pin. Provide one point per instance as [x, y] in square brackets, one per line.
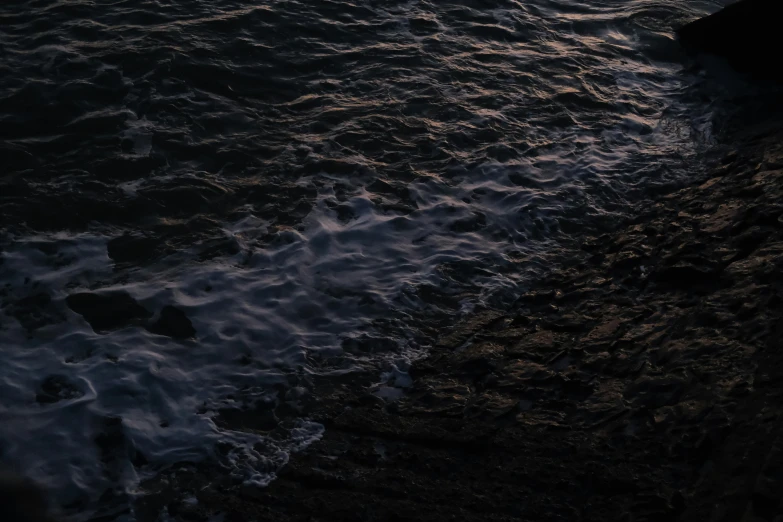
[115, 448]
[744, 33]
[369, 344]
[34, 311]
[173, 323]
[130, 248]
[57, 388]
[637, 380]
[108, 311]
[21, 500]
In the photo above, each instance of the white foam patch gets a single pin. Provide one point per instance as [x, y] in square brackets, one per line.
[259, 316]
[165, 392]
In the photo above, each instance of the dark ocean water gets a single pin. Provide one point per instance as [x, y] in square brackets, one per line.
[294, 175]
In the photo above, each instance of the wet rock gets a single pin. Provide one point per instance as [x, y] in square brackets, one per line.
[628, 259]
[173, 323]
[447, 433]
[763, 264]
[107, 311]
[431, 294]
[537, 298]
[656, 392]
[766, 502]
[496, 406]
[185, 196]
[722, 219]
[133, 248]
[369, 344]
[380, 186]
[568, 323]
[399, 208]
[744, 33]
[223, 246]
[603, 330]
[444, 398]
[685, 276]
[56, 388]
[115, 448]
[260, 418]
[478, 360]
[110, 437]
[316, 478]
[35, 311]
[464, 330]
[749, 241]
[475, 222]
[345, 213]
[21, 500]
[562, 406]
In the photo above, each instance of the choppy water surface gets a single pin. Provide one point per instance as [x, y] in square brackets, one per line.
[300, 173]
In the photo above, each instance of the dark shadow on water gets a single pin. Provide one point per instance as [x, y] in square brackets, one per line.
[21, 500]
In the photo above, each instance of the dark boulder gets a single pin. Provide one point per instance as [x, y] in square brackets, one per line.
[108, 311]
[173, 323]
[34, 311]
[133, 248]
[56, 388]
[21, 500]
[745, 33]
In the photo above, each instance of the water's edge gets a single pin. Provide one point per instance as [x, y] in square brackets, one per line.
[221, 221]
[637, 376]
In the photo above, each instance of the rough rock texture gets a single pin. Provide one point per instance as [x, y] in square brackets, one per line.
[642, 380]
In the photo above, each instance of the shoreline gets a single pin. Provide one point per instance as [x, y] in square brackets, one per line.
[528, 272]
[639, 381]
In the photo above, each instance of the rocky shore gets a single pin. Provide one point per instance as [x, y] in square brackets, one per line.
[641, 380]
